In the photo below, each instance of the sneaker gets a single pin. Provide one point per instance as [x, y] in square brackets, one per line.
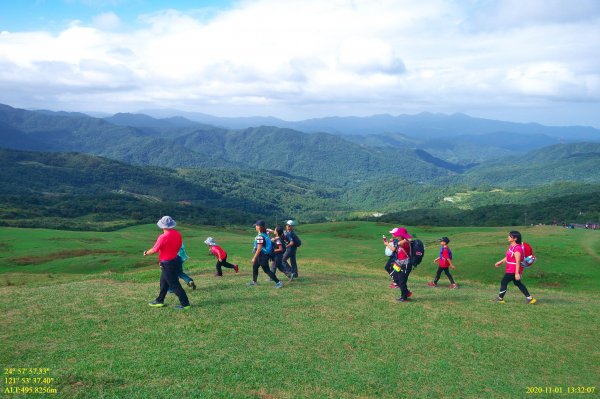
[432, 284]
[500, 300]
[252, 284]
[409, 294]
[290, 276]
[156, 304]
[402, 300]
[192, 284]
[531, 301]
[181, 307]
[236, 268]
[454, 286]
[218, 275]
[279, 284]
[170, 291]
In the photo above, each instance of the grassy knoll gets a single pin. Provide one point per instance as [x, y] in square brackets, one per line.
[337, 332]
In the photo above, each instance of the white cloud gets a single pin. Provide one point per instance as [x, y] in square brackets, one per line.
[300, 59]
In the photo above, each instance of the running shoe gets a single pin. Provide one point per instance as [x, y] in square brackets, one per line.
[500, 300]
[252, 284]
[409, 294]
[531, 301]
[236, 268]
[156, 304]
[279, 284]
[181, 307]
[454, 286]
[394, 285]
[432, 284]
[402, 300]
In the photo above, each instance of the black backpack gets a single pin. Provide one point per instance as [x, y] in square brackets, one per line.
[297, 240]
[417, 251]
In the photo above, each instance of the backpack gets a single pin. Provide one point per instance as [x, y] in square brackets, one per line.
[182, 254]
[292, 236]
[417, 251]
[528, 256]
[267, 247]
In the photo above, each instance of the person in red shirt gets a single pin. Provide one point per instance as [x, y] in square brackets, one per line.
[221, 256]
[514, 269]
[167, 246]
[401, 267]
[444, 261]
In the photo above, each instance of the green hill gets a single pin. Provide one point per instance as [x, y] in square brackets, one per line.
[561, 162]
[76, 305]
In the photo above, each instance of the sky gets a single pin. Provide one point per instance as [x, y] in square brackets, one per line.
[513, 60]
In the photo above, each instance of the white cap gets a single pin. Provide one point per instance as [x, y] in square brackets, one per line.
[290, 222]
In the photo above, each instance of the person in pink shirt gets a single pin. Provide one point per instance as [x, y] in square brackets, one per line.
[221, 256]
[514, 269]
[401, 267]
[167, 246]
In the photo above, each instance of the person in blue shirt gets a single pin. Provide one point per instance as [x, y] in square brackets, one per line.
[262, 253]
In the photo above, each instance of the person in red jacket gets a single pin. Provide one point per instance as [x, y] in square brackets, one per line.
[444, 261]
[221, 256]
[401, 267]
[167, 246]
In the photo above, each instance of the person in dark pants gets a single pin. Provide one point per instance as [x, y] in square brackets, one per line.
[167, 246]
[402, 266]
[221, 256]
[444, 261]
[514, 269]
[290, 249]
[262, 249]
[277, 253]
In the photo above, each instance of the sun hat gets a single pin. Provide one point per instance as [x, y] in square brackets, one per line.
[166, 222]
[444, 239]
[290, 222]
[210, 241]
[400, 232]
[260, 223]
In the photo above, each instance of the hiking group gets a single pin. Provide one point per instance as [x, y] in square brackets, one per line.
[405, 253]
[269, 253]
[279, 253]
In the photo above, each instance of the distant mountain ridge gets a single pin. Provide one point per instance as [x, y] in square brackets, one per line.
[323, 157]
[424, 125]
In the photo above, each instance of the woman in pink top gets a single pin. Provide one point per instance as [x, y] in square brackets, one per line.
[514, 270]
[167, 246]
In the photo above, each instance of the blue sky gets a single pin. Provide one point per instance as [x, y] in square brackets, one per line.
[526, 61]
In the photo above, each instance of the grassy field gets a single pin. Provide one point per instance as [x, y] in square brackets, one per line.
[75, 303]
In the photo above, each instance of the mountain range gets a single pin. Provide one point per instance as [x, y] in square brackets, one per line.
[269, 170]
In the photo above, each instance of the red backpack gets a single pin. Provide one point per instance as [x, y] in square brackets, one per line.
[528, 256]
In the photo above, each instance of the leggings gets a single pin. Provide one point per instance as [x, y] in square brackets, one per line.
[222, 263]
[508, 277]
[439, 273]
[262, 260]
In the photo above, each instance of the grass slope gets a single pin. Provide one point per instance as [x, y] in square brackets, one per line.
[336, 332]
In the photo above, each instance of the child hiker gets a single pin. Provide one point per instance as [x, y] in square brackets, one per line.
[221, 256]
[188, 280]
[444, 261]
